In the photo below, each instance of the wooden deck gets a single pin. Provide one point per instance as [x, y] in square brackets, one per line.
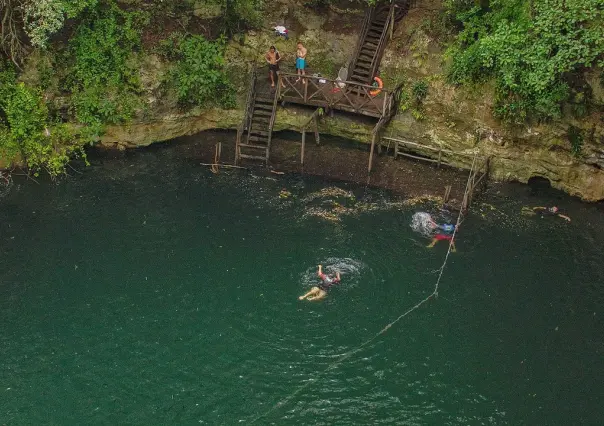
[337, 95]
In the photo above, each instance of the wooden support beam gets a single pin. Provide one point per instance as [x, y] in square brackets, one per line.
[316, 122]
[371, 153]
[303, 146]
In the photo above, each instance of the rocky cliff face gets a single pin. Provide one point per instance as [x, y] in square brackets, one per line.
[458, 119]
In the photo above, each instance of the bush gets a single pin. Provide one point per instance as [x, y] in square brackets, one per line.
[420, 90]
[103, 77]
[26, 132]
[199, 76]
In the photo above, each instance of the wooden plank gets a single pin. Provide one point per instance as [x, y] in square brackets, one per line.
[416, 157]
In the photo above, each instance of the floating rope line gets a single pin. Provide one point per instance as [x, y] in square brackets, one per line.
[347, 355]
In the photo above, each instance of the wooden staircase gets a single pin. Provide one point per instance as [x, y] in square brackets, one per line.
[255, 132]
[372, 42]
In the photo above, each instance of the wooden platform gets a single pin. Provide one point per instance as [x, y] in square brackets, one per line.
[337, 95]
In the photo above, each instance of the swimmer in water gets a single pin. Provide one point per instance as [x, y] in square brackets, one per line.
[550, 211]
[445, 233]
[320, 291]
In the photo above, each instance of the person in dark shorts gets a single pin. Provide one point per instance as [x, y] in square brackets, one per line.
[272, 58]
[550, 211]
[320, 291]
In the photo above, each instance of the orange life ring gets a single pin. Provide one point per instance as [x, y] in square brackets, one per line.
[377, 91]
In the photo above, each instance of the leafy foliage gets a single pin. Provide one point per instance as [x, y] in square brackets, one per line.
[26, 132]
[199, 76]
[528, 47]
[420, 90]
[43, 18]
[413, 100]
[575, 136]
[103, 78]
[240, 15]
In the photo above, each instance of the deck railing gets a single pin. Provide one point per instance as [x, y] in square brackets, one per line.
[324, 92]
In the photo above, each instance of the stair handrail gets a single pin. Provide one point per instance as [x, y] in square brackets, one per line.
[382, 43]
[251, 96]
[362, 35]
[272, 122]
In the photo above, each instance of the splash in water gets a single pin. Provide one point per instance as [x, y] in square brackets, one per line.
[350, 269]
[422, 223]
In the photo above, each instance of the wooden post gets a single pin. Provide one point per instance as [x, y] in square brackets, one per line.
[447, 194]
[440, 153]
[395, 149]
[237, 142]
[371, 153]
[317, 137]
[303, 146]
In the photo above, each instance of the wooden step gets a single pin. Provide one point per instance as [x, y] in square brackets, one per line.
[366, 58]
[262, 113]
[257, 138]
[264, 100]
[359, 71]
[253, 146]
[252, 157]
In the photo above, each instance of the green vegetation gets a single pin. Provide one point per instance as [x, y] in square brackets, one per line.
[103, 78]
[575, 136]
[28, 133]
[199, 76]
[413, 100]
[96, 72]
[532, 49]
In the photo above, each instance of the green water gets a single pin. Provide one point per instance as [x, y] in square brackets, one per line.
[149, 291]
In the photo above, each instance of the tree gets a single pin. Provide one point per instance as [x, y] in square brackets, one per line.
[33, 22]
[530, 48]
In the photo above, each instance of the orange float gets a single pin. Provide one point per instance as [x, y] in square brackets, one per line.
[377, 91]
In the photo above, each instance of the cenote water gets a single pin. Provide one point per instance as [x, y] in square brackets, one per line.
[149, 291]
